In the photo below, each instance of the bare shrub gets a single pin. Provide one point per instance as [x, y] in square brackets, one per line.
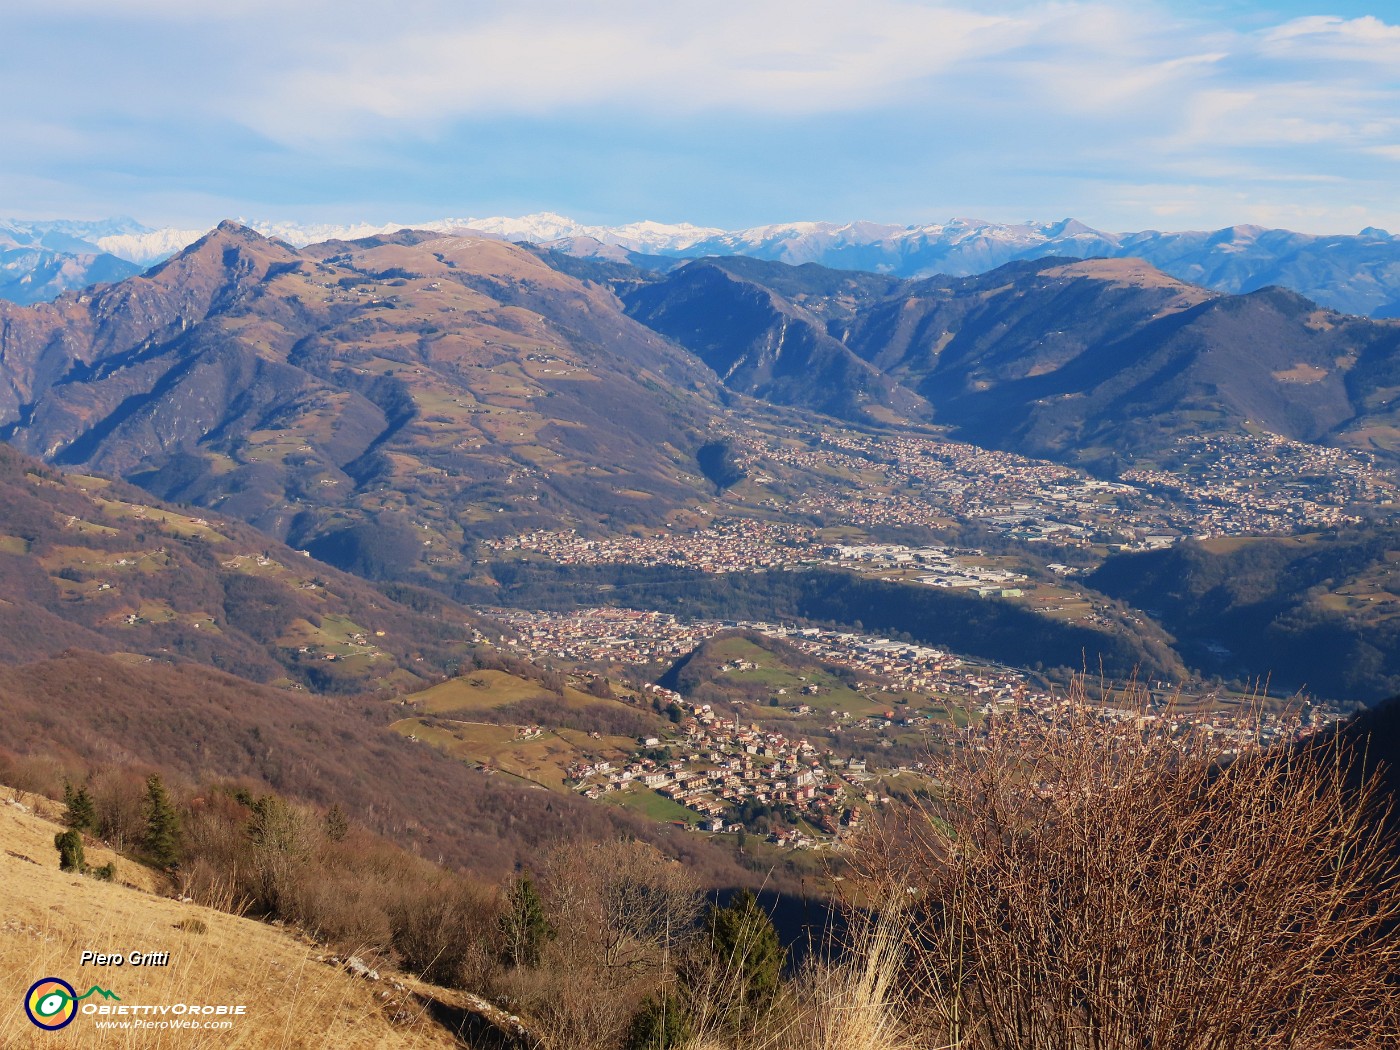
[339, 906]
[621, 912]
[280, 838]
[1089, 881]
[117, 796]
[619, 905]
[31, 775]
[444, 929]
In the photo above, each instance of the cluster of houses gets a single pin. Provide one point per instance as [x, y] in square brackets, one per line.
[719, 765]
[726, 545]
[631, 636]
[1231, 486]
[1227, 486]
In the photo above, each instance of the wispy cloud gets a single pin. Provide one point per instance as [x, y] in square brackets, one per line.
[757, 56]
[816, 108]
[1366, 39]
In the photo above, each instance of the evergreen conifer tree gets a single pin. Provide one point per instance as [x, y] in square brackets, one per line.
[524, 924]
[162, 841]
[70, 851]
[79, 814]
[744, 943]
[661, 1024]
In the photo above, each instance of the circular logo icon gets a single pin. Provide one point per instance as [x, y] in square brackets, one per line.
[51, 1003]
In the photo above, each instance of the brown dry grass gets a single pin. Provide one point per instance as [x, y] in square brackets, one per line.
[293, 1001]
[856, 1004]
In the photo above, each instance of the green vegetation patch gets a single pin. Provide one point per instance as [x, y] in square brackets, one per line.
[655, 806]
[477, 691]
[88, 560]
[773, 669]
[182, 525]
[336, 635]
[87, 528]
[488, 690]
[89, 481]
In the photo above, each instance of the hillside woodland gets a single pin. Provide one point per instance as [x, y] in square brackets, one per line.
[1316, 609]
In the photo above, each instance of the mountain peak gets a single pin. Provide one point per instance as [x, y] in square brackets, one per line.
[234, 228]
[231, 233]
[1069, 228]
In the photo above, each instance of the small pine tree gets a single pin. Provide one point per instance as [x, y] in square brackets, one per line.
[79, 813]
[70, 851]
[162, 841]
[744, 942]
[661, 1024]
[524, 926]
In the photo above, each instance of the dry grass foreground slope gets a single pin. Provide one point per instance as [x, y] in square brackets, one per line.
[293, 1001]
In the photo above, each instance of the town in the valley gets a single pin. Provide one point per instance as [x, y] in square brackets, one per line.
[823, 764]
[819, 765]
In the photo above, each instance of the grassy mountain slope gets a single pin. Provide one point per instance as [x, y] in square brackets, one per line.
[98, 564]
[53, 916]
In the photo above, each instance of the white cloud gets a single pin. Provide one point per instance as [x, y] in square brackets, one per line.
[1286, 114]
[183, 10]
[764, 56]
[1178, 205]
[1365, 39]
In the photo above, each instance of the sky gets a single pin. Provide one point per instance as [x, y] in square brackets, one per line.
[1125, 114]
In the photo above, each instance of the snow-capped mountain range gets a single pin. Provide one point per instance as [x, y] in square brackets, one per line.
[1357, 274]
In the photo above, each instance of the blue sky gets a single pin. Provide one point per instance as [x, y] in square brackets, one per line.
[1127, 114]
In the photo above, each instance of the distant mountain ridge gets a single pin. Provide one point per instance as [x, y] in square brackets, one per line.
[385, 402]
[1095, 363]
[1357, 274]
[41, 261]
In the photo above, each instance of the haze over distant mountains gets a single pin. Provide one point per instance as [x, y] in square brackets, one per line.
[1357, 274]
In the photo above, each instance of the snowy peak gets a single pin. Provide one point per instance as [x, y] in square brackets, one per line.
[147, 247]
[539, 228]
[1357, 274]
